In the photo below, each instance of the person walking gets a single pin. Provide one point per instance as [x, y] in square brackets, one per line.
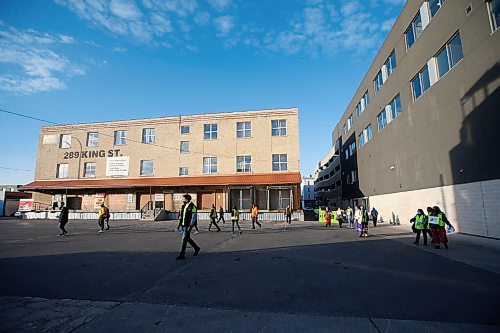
[213, 216]
[419, 223]
[443, 220]
[179, 226]
[255, 216]
[288, 215]
[107, 217]
[339, 216]
[364, 222]
[188, 221]
[235, 218]
[221, 215]
[349, 216]
[102, 217]
[357, 220]
[63, 219]
[328, 217]
[374, 214]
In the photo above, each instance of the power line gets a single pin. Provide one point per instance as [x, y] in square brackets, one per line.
[131, 140]
[7, 168]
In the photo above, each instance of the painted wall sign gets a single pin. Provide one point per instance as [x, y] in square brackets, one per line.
[26, 205]
[117, 166]
[92, 154]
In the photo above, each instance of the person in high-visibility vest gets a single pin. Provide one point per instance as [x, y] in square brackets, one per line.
[188, 221]
[442, 221]
[213, 216]
[235, 218]
[419, 223]
[255, 216]
[102, 217]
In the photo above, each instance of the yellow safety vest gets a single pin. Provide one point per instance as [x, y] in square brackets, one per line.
[419, 222]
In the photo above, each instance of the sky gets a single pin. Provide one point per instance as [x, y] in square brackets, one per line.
[73, 61]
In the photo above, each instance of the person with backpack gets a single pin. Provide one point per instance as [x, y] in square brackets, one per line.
[188, 221]
[213, 216]
[102, 217]
[221, 215]
[235, 218]
[63, 219]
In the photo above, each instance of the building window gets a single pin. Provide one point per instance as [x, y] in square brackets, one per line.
[89, 170]
[435, 5]
[244, 164]
[209, 164]
[278, 127]
[280, 162]
[382, 120]
[344, 129]
[65, 141]
[449, 55]
[353, 176]
[241, 198]
[210, 131]
[378, 81]
[148, 135]
[352, 148]
[184, 147]
[92, 139]
[279, 199]
[358, 109]
[244, 129]
[494, 9]
[346, 154]
[390, 63]
[420, 83]
[62, 171]
[366, 98]
[183, 171]
[146, 168]
[366, 135]
[350, 122]
[414, 31]
[120, 138]
[184, 129]
[396, 107]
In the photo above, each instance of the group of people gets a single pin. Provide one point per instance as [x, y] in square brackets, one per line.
[103, 219]
[355, 219]
[433, 224]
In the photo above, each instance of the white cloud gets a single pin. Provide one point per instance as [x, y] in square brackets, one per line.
[224, 24]
[32, 65]
[202, 18]
[220, 4]
[125, 9]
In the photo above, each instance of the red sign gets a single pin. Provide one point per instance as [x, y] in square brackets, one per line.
[26, 205]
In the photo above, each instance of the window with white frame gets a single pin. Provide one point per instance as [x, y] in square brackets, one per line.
[358, 109]
[120, 138]
[184, 147]
[378, 82]
[414, 31]
[396, 107]
[366, 98]
[210, 131]
[494, 10]
[62, 171]
[183, 171]
[184, 129]
[148, 135]
[363, 103]
[350, 122]
[420, 83]
[390, 63]
[244, 129]
[243, 163]
[278, 127]
[382, 120]
[89, 171]
[346, 152]
[65, 141]
[449, 55]
[146, 167]
[434, 6]
[344, 129]
[209, 164]
[366, 135]
[361, 139]
[92, 139]
[354, 176]
[280, 162]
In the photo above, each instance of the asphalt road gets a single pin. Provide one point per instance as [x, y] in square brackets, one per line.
[304, 269]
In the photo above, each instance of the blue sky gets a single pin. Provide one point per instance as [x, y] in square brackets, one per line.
[72, 61]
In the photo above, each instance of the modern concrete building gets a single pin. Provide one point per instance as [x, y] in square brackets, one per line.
[226, 159]
[420, 129]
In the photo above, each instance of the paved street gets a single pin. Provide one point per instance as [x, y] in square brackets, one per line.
[300, 278]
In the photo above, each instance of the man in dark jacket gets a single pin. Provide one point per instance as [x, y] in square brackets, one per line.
[188, 218]
[63, 219]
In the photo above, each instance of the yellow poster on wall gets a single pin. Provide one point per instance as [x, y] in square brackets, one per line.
[321, 215]
[99, 199]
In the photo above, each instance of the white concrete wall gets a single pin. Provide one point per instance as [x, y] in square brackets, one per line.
[472, 208]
